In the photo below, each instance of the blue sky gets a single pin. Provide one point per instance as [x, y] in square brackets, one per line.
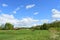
[31, 10]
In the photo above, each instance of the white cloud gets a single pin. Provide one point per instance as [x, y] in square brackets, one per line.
[36, 24]
[40, 22]
[4, 5]
[17, 9]
[56, 16]
[44, 21]
[36, 13]
[16, 22]
[28, 21]
[30, 6]
[24, 22]
[14, 12]
[56, 13]
[7, 18]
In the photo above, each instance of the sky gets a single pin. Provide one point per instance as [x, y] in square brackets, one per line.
[27, 13]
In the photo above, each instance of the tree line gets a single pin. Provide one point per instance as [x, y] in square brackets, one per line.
[45, 26]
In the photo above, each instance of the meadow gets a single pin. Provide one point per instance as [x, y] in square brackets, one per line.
[24, 35]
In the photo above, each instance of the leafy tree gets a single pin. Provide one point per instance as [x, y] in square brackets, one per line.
[44, 26]
[2, 27]
[9, 26]
[36, 27]
[55, 24]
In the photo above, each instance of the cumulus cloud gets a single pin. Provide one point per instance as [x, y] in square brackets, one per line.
[7, 18]
[30, 6]
[24, 22]
[44, 21]
[16, 22]
[56, 13]
[27, 22]
[4, 5]
[17, 9]
[36, 13]
[41, 22]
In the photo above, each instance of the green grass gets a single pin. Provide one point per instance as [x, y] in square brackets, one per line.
[24, 35]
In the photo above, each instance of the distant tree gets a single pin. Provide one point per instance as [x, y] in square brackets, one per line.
[37, 27]
[9, 26]
[44, 26]
[2, 27]
[55, 24]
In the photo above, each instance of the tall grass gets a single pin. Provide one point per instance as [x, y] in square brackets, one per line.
[51, 34]
[54, 33]
[24, 35]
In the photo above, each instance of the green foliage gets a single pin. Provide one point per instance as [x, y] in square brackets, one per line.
[2, 27]
[36, 27]
[8, 26]
[55, 24]
[44, 26]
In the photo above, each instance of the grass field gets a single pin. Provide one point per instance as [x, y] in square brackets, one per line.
[24, 35]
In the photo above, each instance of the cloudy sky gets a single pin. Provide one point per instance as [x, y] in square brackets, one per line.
[29, 12]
